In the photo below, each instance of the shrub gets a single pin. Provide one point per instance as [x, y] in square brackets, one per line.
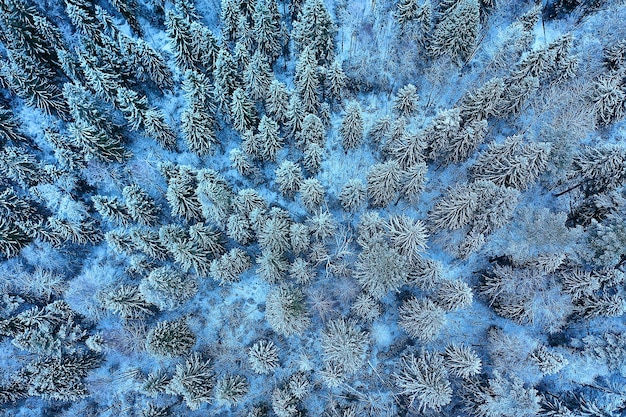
[170, 339]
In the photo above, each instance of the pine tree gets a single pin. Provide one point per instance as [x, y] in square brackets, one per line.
[483, 102]
[315, 29]
[257, 76]
[383, 183]
[405, 102]
[312, 132]
[92, 128]
[147, 61]
[141, 206]
[112, 209]
[295, 115]
[458, 30]
[424, 379]
[229, 17]
[197, 121]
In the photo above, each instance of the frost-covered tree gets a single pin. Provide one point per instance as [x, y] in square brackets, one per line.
[140, 205]
[242, 111]
[352, 195]
[93, 130]
[286, 311]
[407, 236]
[267, 29]
[168, 288]
[181, 191]
[193, 380]
[421, 318]
[315, 29]
[383, 183]
[462, 361]
[269, 139]
[599, 169]
[277, 100]
[311, 193]
[405, 102]
[512, 163]
[424, 379]
[336, 80]
[288, 178]
[179, 30]
[380, 268]
[351, 129]
[225, 79]
[307, 80]
[484, 101]
[344, 343]
[263, 356]
[229, 267]
[112, 209]
[457, 32]
[170, 339]
[257, 76]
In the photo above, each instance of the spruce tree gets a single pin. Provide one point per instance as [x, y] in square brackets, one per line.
[257, 76]
[307, 81]
[267, 28]
[457, 32]
[351, 129]
[277, 101]
[316, 30]
[242, 111]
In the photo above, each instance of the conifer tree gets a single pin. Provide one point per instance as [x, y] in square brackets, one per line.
[316, 30]
[225, 79]
[383, 183]
[179, 30]
[512, 163]
[277, 101]
[405, 102]
[336, 80]
[295, 115]
[257, 76]
[141, 206]
[351, 129]
[242, 111]
[457, 32]
[197, 121]
[269, 139]
[307, 81]
[267, 28]
[230, 17]
[92, 130]
[312, 132]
